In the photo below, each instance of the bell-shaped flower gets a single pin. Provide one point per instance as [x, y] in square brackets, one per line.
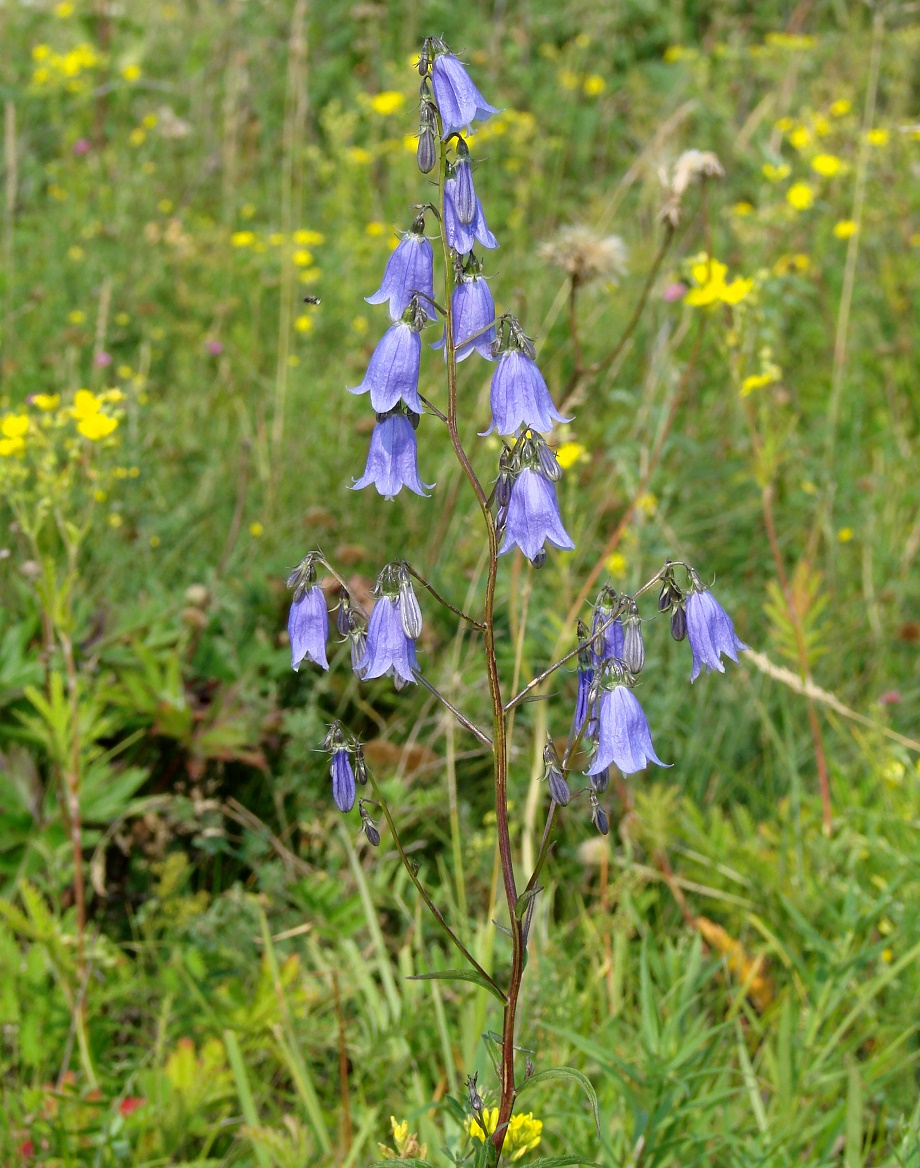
[609, 644]
[459, 101]
[392, 374]
[392, 461]
[623, 736]
[710, 631]
[388, 651]
[308, 628]
[464, 193]
[533, 516]
[343, 780]
[462, 236]
[473, 311]
[409, 272]
[519, 396]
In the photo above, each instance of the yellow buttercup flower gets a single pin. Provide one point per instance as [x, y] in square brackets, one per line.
[826, 164]
[303, 323]
[359, 155]
[388, 102]
[76, 317]
[845, 228]
[569, 453]
[840, 108]
[617, 564]
[845, 534]
[308, 238]
[743, 208]
[131, 72]
[800, 196]
[256, 529]
[303, 258]
[791, 263]
[14, 426]
[713, 288]
[877, 137]
[46, 401]
[800, 138]
[97, 426]
[242, 239]
[594, 85]
[374, 229]
[775, 173]
[755, 381]
[85, 404]
[10, 446]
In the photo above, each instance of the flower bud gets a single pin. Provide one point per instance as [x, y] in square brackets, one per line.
[540, 558]
[503, 488]
[358, 639]
[599, 816]
[679, 623]
[601, 781]
[426, 154]
[409, 611]
[549, 466]
[343, 614]
[633, 647]
[464, 194]
[373, 835]
[360, 764]
[558, 787]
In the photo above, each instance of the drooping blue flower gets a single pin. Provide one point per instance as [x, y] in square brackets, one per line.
[533, 516]
[464, 193]
[623, 736]
[392, 374]
[519, 396]
[343, 780]
[392, 461]
[473, 309]
[308, 628]
[462, 236]
[582, 711]
[710, 631]
[459, 101]
[409, 271]
[389, 651]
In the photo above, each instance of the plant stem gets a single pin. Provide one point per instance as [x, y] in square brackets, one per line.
[461, 718]
[499, 741]
[440, 599]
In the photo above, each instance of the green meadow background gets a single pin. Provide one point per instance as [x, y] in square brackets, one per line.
[735, 967]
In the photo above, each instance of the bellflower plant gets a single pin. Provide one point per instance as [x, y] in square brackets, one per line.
[515, 491]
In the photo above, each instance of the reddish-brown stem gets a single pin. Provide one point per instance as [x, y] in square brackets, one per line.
[499, 736]
[343, 1068]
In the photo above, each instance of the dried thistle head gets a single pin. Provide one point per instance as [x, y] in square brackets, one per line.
[586, 255]
[690, 166]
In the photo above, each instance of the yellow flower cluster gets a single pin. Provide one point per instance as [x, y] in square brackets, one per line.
[13, 429]
[523, 1135]
[406, 1142]
[712, 288]
[300, 241]
[92, 423]
[57, 68]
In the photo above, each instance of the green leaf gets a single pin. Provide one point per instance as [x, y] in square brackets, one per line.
[520, 905]
[566, 1073]
[461, 975]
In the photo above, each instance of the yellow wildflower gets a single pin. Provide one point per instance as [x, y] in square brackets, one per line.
[877, 137]
[154, 541]
[308, 238]
[303, 258]
[310, 275]
[594, 85]
[800, 196]
[795, 42]
[63, 10]
[821, 125]
[713, 289]
[845, 228]
[124, 372]
[242, 238]
[406, 1142]
[303, 323]
[800, 138]
[755, 381]
[522, 1135]
[791, 263]
[97, 426]
[40, 52]
[359, 325]
[122, 318]
[388, 102]
[14, 426]
[840, 108]
[826, 164]
[293, 361]
[115, 520]
[743, 208]
[360, 156]
[784, 125]
[10, 446]
[375, 229]
[131, 72]
[46, 401]
[410, 143]
[85, 404]
[845, 534]
[247, 210]
[256, 529]
[775, 173]
[647, 503]
[75, 253]
[76, 317]
[679, 53]
[616, 564]
[582, 40]
[569, 453]
[137, 137]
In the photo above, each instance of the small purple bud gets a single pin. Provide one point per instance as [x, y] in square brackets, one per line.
[601, 781]
[558, 787]
[599, 818]
[426, 154]
[679, 623]
[633, 647]
[409, 611]
[343, 781]
[464, 194]
[549, 465]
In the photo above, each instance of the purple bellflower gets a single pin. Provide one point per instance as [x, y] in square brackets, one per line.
[343, 780]
[623, 734]
[611, 643]
[389, 651]
[308, 628]
[392, 374]
[473, 310]
[392, 461]
[533, 516]
[709, 630]
[459, 101]
[519, 396]
[462, 236]
[409, 271]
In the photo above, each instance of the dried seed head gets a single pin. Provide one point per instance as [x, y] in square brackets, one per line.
[585, 255]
